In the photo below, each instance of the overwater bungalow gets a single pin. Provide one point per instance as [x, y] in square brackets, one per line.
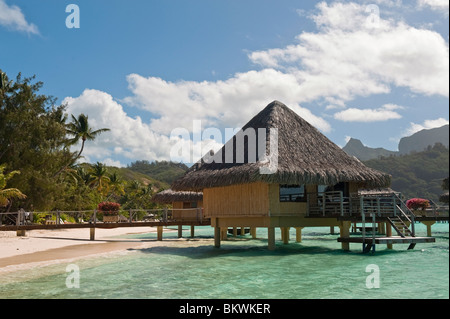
[187, 207]
[280, 171]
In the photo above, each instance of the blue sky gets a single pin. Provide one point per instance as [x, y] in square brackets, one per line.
[373, 70]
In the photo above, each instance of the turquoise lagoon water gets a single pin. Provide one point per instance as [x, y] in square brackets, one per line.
[244, 268]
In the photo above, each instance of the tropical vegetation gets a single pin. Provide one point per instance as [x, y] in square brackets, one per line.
[37, 139]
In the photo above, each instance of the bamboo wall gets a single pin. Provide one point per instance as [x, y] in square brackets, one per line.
[187, 215]
[237, 200]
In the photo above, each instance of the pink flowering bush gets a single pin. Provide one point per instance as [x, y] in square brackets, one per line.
[108, 208]
[417, 203]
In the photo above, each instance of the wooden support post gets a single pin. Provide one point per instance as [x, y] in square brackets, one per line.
[332, 230]
[253, 232]
[271, 238]
[159, 230]
[234, 232]
[224, 233]
[298, 234]
[180, 231]
[21, 233]
[192, 231]
[285, 235]
[242, 231]
[92, 233]
[217, 235]
[428, 223]
[344, 228]
[389, 234]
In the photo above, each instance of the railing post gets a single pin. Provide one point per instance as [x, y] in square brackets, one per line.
[308, 203]
[394, 204]
[363, 218]
[323, 203]
[378, 207]
[341, 198]
[58, 213]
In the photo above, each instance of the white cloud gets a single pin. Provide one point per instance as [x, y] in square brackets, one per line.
[442, 5]
[383, 113]
[353, 55]
[13, 18]
[221, 104]
[427, 124]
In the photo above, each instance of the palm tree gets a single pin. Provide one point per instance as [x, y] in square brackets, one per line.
[6, 194]
[79, 129]
[116, 185]
[99, 178]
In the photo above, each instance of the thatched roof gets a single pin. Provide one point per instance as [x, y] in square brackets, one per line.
[169, 196]
[305, 156]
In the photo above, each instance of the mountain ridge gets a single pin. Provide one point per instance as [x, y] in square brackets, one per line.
[416, 142]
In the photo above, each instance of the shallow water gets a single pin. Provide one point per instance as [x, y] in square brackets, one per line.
[244, 268]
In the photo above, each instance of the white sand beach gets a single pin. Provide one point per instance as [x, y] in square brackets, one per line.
[50, 245]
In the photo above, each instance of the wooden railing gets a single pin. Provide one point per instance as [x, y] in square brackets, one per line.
[94, 216]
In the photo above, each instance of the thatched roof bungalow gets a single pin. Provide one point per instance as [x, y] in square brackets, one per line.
[276, 176]
[305, 156]
[186, 205]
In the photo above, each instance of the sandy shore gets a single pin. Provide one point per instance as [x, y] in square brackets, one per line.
[50, 245]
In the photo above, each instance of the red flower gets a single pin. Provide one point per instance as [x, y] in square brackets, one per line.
[108, 208]
[416, 203]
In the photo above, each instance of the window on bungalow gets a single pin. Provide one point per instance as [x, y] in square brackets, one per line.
[292, 193]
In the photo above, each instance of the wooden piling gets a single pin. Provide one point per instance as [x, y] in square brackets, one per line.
[92, 233]
[253, 232]
[389, 234]
[159, 230]
[180, 231]
[298, 234]
[271, 238]
[217, 235]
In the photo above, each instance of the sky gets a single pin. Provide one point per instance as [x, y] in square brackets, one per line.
[375, 70]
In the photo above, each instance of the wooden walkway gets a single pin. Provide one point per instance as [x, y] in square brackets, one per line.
[205, 222]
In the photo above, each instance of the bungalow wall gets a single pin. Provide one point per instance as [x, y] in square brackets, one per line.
[237, 200]
[180, 213]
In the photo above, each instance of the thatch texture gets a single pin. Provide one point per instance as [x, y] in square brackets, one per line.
[169, 196]
[305, 156]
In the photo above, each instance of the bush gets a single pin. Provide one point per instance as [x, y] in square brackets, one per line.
[108, 208]
[417, 203]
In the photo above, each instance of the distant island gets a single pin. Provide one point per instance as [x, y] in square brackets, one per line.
[417, 142]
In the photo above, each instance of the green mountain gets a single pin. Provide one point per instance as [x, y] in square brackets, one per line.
[356, 148]
[417, 142]
[417, 174]
[163, 171]
[420, 140]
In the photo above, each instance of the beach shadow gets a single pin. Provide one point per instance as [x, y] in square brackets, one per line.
[112, 240]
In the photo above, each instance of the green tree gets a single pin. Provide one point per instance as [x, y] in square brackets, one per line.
[32, 140]
[7, 194]
[99, 179]
[79, 129]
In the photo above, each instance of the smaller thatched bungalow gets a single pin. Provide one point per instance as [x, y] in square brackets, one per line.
[186, 205]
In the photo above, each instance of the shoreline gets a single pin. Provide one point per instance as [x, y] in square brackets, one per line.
[40, 246]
